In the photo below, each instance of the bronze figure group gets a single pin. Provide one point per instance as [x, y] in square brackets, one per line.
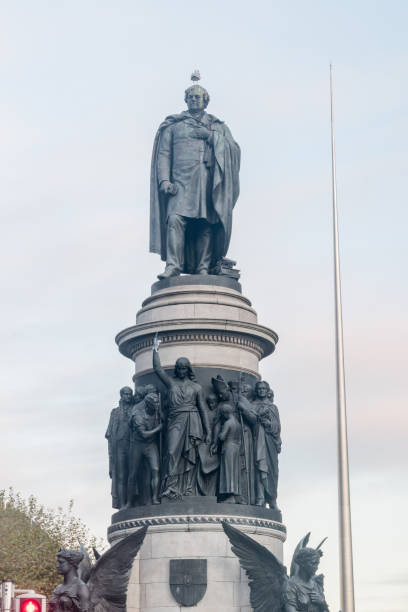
[224, 445]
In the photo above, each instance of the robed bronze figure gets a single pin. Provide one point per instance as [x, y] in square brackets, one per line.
[268, 443]
[187, 427]
[118, 436]
[194, 187]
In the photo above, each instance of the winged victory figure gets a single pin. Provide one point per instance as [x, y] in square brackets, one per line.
[101, 587]
[271, 589]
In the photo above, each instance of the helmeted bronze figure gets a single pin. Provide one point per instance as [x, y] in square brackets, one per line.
[271, 589]
[194, 187]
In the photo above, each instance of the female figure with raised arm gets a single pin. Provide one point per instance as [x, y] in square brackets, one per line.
[187, 427]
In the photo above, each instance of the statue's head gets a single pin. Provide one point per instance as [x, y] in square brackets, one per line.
[152, 403]
[261, 389]
[212, 401]
[183, 369]
[68, 559]
[308, 559]
[139, 394]
[126, 395]
[150, 389]
[224, 395]
[196, 98]
[234, 385]
[226, 410]
[246, 390]
[221, 388]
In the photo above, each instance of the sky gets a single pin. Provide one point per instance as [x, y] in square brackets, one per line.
[84, 86]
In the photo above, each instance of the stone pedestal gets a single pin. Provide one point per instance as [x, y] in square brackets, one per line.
[192, 529]
[209, 321]
[213, 325]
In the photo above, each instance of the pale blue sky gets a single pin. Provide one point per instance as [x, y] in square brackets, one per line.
[84, 85]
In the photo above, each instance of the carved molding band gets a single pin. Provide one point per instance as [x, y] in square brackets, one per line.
[208, 337]
[196, 519]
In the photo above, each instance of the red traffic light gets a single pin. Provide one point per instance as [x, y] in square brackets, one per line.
[30, 604]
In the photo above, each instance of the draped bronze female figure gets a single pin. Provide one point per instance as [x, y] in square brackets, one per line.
[187, 427]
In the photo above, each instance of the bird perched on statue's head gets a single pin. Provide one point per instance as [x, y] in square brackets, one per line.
[195, 76]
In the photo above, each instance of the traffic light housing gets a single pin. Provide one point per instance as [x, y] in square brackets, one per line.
[30, 603]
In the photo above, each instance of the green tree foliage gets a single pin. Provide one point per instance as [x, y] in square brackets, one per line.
[30, 537]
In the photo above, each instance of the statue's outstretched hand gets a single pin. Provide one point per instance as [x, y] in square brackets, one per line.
[156, 343]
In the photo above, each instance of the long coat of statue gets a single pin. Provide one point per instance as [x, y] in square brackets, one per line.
[207, 181]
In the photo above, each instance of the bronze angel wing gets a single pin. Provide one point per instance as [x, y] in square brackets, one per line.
[85, 567]
[109, 576]
[265, 572]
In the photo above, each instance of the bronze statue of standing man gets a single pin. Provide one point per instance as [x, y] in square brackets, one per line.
[118, 436]
[194, 187]
[268, 443]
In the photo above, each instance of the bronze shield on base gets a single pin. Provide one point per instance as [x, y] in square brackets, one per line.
[188, 580]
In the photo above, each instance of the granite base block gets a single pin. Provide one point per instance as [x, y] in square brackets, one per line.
[227, 585]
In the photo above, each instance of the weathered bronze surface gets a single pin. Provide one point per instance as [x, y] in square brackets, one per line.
[118, 436]
[145, 424]
[187, 427]
[193, 190]
[271, 589]
[188, 580]
[102, 586]
[267, 443]
[220, 441]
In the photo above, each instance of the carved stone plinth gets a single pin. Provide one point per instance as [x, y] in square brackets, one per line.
[192, 530]
[213, 325]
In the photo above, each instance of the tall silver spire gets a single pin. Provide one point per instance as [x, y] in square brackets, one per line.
[345, 538]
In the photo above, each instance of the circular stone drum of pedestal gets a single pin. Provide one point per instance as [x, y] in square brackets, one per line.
[212, 325]
[188, 531]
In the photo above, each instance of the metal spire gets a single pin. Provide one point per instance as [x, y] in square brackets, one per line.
[345, 539]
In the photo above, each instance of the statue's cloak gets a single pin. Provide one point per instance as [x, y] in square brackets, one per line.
[225, 185]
